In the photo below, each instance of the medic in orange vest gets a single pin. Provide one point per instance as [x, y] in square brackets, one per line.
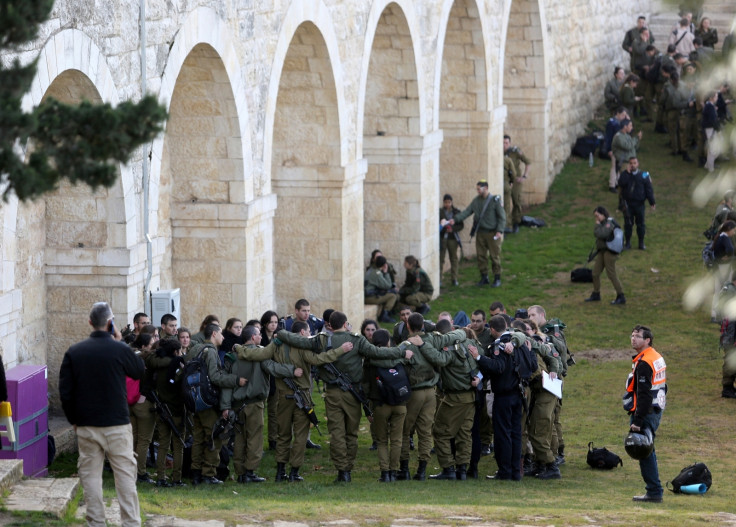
[646, 385]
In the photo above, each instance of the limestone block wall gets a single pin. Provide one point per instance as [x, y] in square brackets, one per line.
[301, 136]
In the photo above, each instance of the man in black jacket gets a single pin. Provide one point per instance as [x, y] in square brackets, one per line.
[636, 188]
[93, 396]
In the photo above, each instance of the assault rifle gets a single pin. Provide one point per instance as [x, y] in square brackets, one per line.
[166, 415]
[302, 402]
[346, 386]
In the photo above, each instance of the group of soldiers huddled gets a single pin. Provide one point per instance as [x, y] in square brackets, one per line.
[454, 386]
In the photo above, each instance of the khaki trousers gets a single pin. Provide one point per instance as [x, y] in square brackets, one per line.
[343, 421]
[454, 419]
[486, 247]
[388, 425]
[606, 259]
[291, 418]
[143, 419]
[541, 424]
[449, 246]
[165, 438]
[248, 447]
[203, 458]
[115, 442]
[420, 410]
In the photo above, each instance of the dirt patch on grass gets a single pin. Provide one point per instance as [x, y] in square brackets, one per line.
[604, 355]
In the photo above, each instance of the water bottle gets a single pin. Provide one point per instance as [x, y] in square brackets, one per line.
[590, 160]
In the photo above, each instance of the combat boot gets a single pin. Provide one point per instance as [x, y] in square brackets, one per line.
[447, 474]
[343, 476]
[385, 477]
[252, 477]
[385, 316]
[294, 475]
[496, 280]
[594, 297]
[280, 472]
[484, 279]
[196, 476]
[620, 300]
[421, 474]
[532, 470]
[403, 474]
[473, 471]
[551, 471]
[462, 472]
[392, 474]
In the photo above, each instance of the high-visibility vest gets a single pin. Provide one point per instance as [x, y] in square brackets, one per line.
[659, 380]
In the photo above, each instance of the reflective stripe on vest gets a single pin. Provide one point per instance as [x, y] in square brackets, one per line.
[659, 378]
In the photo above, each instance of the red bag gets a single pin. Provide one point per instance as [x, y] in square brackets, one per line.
[133, 388]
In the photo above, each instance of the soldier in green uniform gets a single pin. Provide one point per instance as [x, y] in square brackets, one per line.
[454, 417]
[417, 289]
[343, 408]
[164, 363]
[248, 403]
[422, 404]
[490, 222]
[509, 177]
[169, 324]
[449, 236]
[485, 339]
[204, 459]
[379, 289]
[290, 418]
[518, 157]
[625, 145]
[542, 403]
[631, 35]
[388, 419]
[554, 330]
[676, 100]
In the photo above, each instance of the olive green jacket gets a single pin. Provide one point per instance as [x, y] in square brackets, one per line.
[376, 282]
[494, 218]
[217, 374]
[417, 281]
[350, 364]
[257, 374]
[457, 367]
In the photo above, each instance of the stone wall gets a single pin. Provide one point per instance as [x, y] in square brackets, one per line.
[302, 135]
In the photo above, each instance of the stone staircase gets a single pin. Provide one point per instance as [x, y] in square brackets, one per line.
[51, 496]
[664, 17]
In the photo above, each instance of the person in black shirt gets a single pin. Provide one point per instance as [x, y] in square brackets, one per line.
[636, 188]
[93, 396]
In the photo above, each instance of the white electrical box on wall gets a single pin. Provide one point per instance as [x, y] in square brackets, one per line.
[164, 302]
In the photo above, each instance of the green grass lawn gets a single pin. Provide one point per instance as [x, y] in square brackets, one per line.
[698, 425]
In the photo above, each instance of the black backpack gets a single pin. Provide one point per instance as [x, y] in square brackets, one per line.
[693, 475]
[602, 458]
[581, 275]
[197, 390]
[393, 383]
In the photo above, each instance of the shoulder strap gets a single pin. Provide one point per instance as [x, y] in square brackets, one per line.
[485, 205]
[679, 39]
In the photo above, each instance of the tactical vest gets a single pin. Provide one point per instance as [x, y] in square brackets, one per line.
[659, 380]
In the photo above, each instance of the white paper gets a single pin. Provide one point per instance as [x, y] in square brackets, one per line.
[553, 386]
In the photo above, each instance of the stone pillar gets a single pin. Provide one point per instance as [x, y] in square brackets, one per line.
[259, 258]
[429, 240]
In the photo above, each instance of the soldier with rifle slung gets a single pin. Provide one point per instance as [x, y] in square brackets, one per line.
[294, 400]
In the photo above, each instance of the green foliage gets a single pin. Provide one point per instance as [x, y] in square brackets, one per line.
[83, 143]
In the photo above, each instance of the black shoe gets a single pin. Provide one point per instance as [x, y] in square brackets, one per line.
[146, 478]
[163, 483]
[559, 460]
[446, 474]
[594, 297]
[627, 246]
[551, 471]
[392, 474]
[648, 498]
[728, 393]
[642, 247]
[211, 480]
[496, 477]
[532, 470]
[374, 446]
[620, 300]
[403, 473]
[385, 477]
[484, 280]
[252, 477]
[472, 472]
[612, 190]
[485, 450]
[179, 483]
[496, 281]
[343, 476]
[196, 477]
[280, 472]
[424, 309]
[462, 472]
[294, 476]
[385, 316]
[455, 283]
[314, 446]
[241, 478]
[421, 474]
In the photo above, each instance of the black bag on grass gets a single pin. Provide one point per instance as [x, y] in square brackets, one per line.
[581, 275]
[693, 475]
[602, 458]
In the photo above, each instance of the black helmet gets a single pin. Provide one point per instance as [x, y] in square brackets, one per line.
[639, 445]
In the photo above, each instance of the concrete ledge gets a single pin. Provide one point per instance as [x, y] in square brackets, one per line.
[371, 311]
[47, 495]
[11, 472]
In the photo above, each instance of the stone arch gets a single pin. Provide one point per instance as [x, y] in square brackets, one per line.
[314, 214]
[400, 190]
[73, 245]
[526, 90]
[463, 103]
[202, 214]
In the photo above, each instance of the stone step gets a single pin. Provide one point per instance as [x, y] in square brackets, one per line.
[11, 472]
[48, 495]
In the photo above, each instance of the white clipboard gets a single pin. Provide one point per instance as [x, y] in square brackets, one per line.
[553, 386]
